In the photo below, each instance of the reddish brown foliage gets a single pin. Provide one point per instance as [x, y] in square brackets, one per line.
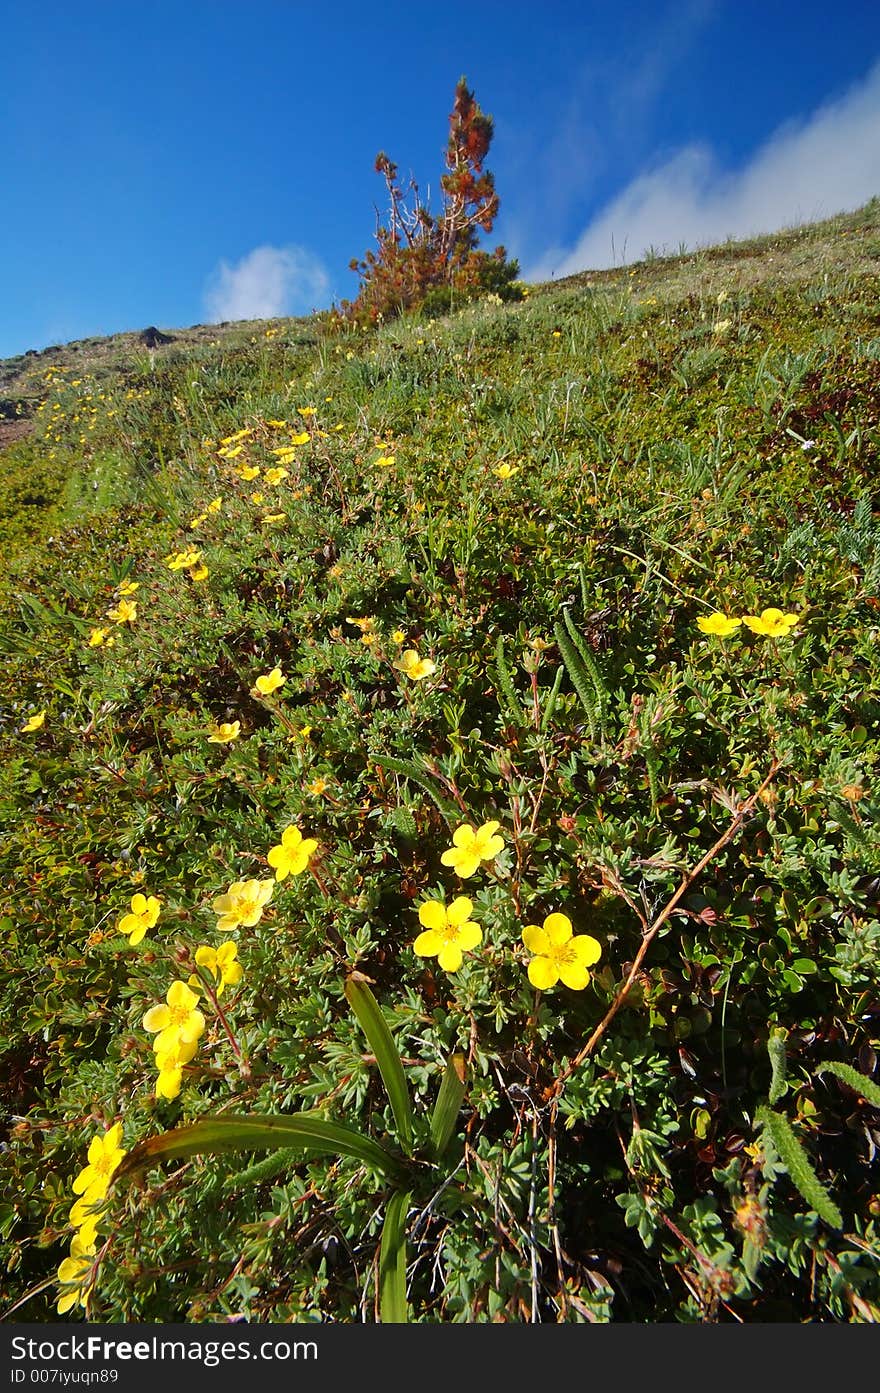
[423, 260]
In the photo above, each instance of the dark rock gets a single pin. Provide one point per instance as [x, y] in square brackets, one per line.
[153, 337]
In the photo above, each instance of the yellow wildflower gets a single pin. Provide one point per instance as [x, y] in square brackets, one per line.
[723, 625]
[182, 560]
[385, 460]
[276, 474]
[248, 472]
[215, 505]
[84, 1216]
[75, 1275]
[144, 913]
[471, 847]
[33, 722]
[242, 904]
[307, 411]
[225, 732]
[398, 636]
[221, 963]
[197, 521]
[128, 587]
[558, 955]
[317, 787]
[413, 666]
[291, 856]
[269, 682]
[104, 1155]
[123, 613]
[274, 517]
[199, 572]
[302, 438]
[771, 622]
[449, 932]
[97, 637]
[257, 497]
[505, 470]
[177, 1018]
[169, 1062]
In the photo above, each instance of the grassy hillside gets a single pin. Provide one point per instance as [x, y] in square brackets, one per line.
[476, 550]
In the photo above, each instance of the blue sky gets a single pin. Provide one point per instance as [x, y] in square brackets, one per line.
[175, 162]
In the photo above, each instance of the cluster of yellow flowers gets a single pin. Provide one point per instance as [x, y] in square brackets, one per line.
[76, 1272]
[449, 932]
[177, 1024]
[772, 623]
[190, 560]
[409, 662]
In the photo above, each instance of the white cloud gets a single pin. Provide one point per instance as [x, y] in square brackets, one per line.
[806, 170]
[267, 283]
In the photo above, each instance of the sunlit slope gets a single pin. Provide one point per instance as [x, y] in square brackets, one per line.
[595, 576]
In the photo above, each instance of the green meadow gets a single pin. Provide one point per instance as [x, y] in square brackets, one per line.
[439, 798]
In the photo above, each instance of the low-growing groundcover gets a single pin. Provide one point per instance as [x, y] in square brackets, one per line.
[438, 781]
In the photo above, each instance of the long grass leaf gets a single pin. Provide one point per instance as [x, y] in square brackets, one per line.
[448, 1104]
[381, 1041]
[392, 1261]
[306, 1132]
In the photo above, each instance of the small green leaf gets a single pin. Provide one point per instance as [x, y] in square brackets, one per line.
[392, 1261]
[307, 1132]
[381, 1041]
[448, 1104]
[804, 965]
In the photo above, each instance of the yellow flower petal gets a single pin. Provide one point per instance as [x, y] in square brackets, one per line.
[432, 915]
[535, 939]
[459, 911]
[449, 957]
[428, 944]
[543, 973]
[574, 975]
[558, 929]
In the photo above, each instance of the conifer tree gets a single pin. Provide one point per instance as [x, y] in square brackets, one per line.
[429, 262]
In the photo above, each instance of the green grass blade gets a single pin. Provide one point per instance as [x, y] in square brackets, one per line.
[797, 1163]
[381, 1041]
[854, 1080]
[448, 1104]
[305, 1132]
[392, 1261]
